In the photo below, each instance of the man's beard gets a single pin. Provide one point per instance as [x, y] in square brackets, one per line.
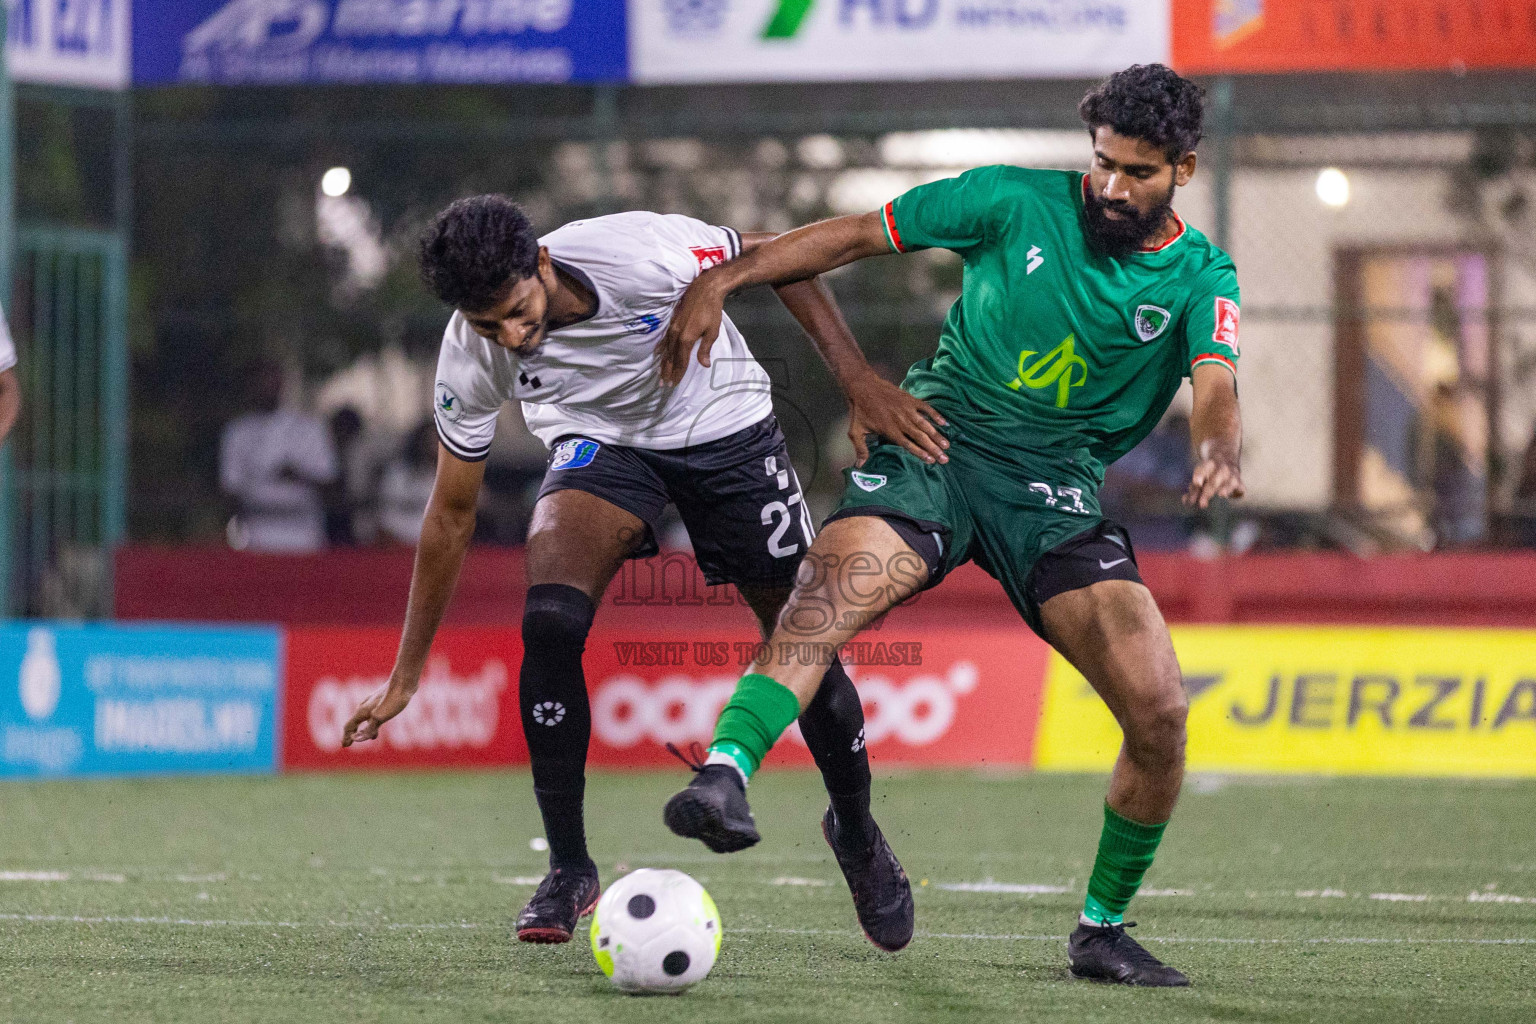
[1128, 234]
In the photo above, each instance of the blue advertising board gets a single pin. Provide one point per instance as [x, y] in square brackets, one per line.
[109, 700]
[378, 41]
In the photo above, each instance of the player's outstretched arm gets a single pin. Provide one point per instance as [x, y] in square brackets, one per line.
[1216, 434]
[876, 405]
[793, 256]
[445, 534]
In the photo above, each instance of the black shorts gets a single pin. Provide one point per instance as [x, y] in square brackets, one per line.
[738, 497]
[1102, 552]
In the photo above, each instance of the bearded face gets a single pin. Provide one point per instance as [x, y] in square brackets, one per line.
[1118, 227]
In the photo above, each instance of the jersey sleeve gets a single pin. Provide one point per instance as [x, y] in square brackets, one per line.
[1211, 327]
[954, 213]
[464, 400]
[690, 246]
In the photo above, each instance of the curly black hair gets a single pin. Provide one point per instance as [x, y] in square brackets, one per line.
[1151, 102]
[475, 248]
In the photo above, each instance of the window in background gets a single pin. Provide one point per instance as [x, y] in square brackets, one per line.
[1414, 399]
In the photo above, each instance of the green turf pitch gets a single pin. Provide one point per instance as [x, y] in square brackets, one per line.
[390, 898]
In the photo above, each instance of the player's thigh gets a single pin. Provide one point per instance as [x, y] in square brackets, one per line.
[597, 506]
[859, 567]
[579, 539]
[1113, 633]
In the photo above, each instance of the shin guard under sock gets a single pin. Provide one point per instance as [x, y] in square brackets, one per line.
[557, 719]
[833, 727]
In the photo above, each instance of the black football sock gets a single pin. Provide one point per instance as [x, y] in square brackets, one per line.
[557, 719]
[833, 727]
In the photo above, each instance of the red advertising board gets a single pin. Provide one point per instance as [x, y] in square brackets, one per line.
[931, 697]
[463, 716]
[1238, 36]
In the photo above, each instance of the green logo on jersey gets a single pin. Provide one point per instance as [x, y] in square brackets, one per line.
[1151, 321]
[1055, 367]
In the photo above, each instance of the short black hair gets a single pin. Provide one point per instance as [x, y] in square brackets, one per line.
[1150, 102]
[475, 248]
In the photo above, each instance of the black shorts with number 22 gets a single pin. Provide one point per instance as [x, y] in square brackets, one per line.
[738, 497]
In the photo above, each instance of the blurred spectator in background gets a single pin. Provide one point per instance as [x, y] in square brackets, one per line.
[1525, 498]
[1459, 512]
[1142, 490]
[406, 484]
[274, 463]
[10, 387]
[344, 495]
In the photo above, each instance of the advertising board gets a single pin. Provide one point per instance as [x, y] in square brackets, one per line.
[1447, 702]
[68, 42]
[1266, 36]
[380, 41]
[960, 698]
[105, 700]
[464, 714]
[822, 40]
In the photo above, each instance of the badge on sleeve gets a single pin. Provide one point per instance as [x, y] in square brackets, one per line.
[1227, 315]
[449, 406]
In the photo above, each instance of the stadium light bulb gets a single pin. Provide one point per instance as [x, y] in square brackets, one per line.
[1333, 187]
[336, 181]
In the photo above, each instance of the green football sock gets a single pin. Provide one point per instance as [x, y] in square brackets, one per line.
[753, 720]
[1126, 849]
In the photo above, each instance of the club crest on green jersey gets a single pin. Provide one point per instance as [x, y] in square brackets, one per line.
[1060, 366]
[1151, 321]
[868, 481]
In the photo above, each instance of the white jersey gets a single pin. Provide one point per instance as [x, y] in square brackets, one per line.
[600, 378]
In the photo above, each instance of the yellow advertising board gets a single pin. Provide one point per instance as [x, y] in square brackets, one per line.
[1336, 700]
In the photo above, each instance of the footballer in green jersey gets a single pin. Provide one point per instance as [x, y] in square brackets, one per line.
[1086, 302]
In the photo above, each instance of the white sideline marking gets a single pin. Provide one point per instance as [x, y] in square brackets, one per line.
[1401, 897]
[34, 876]
[1166, 892]
[987, 885]
[1331, 894]
[1498, 897]
[517, 879]
[188, 922]
[797, 880]
[1005, 937]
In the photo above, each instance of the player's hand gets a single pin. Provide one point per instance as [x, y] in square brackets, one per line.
[695, 322]
[377, 708]
[1214, 477]
[880, 407]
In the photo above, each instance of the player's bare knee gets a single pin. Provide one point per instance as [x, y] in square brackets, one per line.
[1155, 729]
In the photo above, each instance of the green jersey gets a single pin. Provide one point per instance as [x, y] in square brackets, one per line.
[1053, 348]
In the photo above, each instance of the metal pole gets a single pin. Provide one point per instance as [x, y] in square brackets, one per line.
[1221, 159]
[115, 358]
[605, 130]
[1221, 187]
[7, 242]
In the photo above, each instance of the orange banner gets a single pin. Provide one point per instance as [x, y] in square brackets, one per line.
[1237, 36]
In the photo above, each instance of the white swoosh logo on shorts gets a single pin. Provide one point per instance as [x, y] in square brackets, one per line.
[1110, 565]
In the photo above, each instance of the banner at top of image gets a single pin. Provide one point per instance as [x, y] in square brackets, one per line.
[68, 42]
[826, 40]
[378, 41]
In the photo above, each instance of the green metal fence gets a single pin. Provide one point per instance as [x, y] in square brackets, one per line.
[68, 449]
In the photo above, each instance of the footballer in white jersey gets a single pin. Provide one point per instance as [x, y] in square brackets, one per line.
[568, 324]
